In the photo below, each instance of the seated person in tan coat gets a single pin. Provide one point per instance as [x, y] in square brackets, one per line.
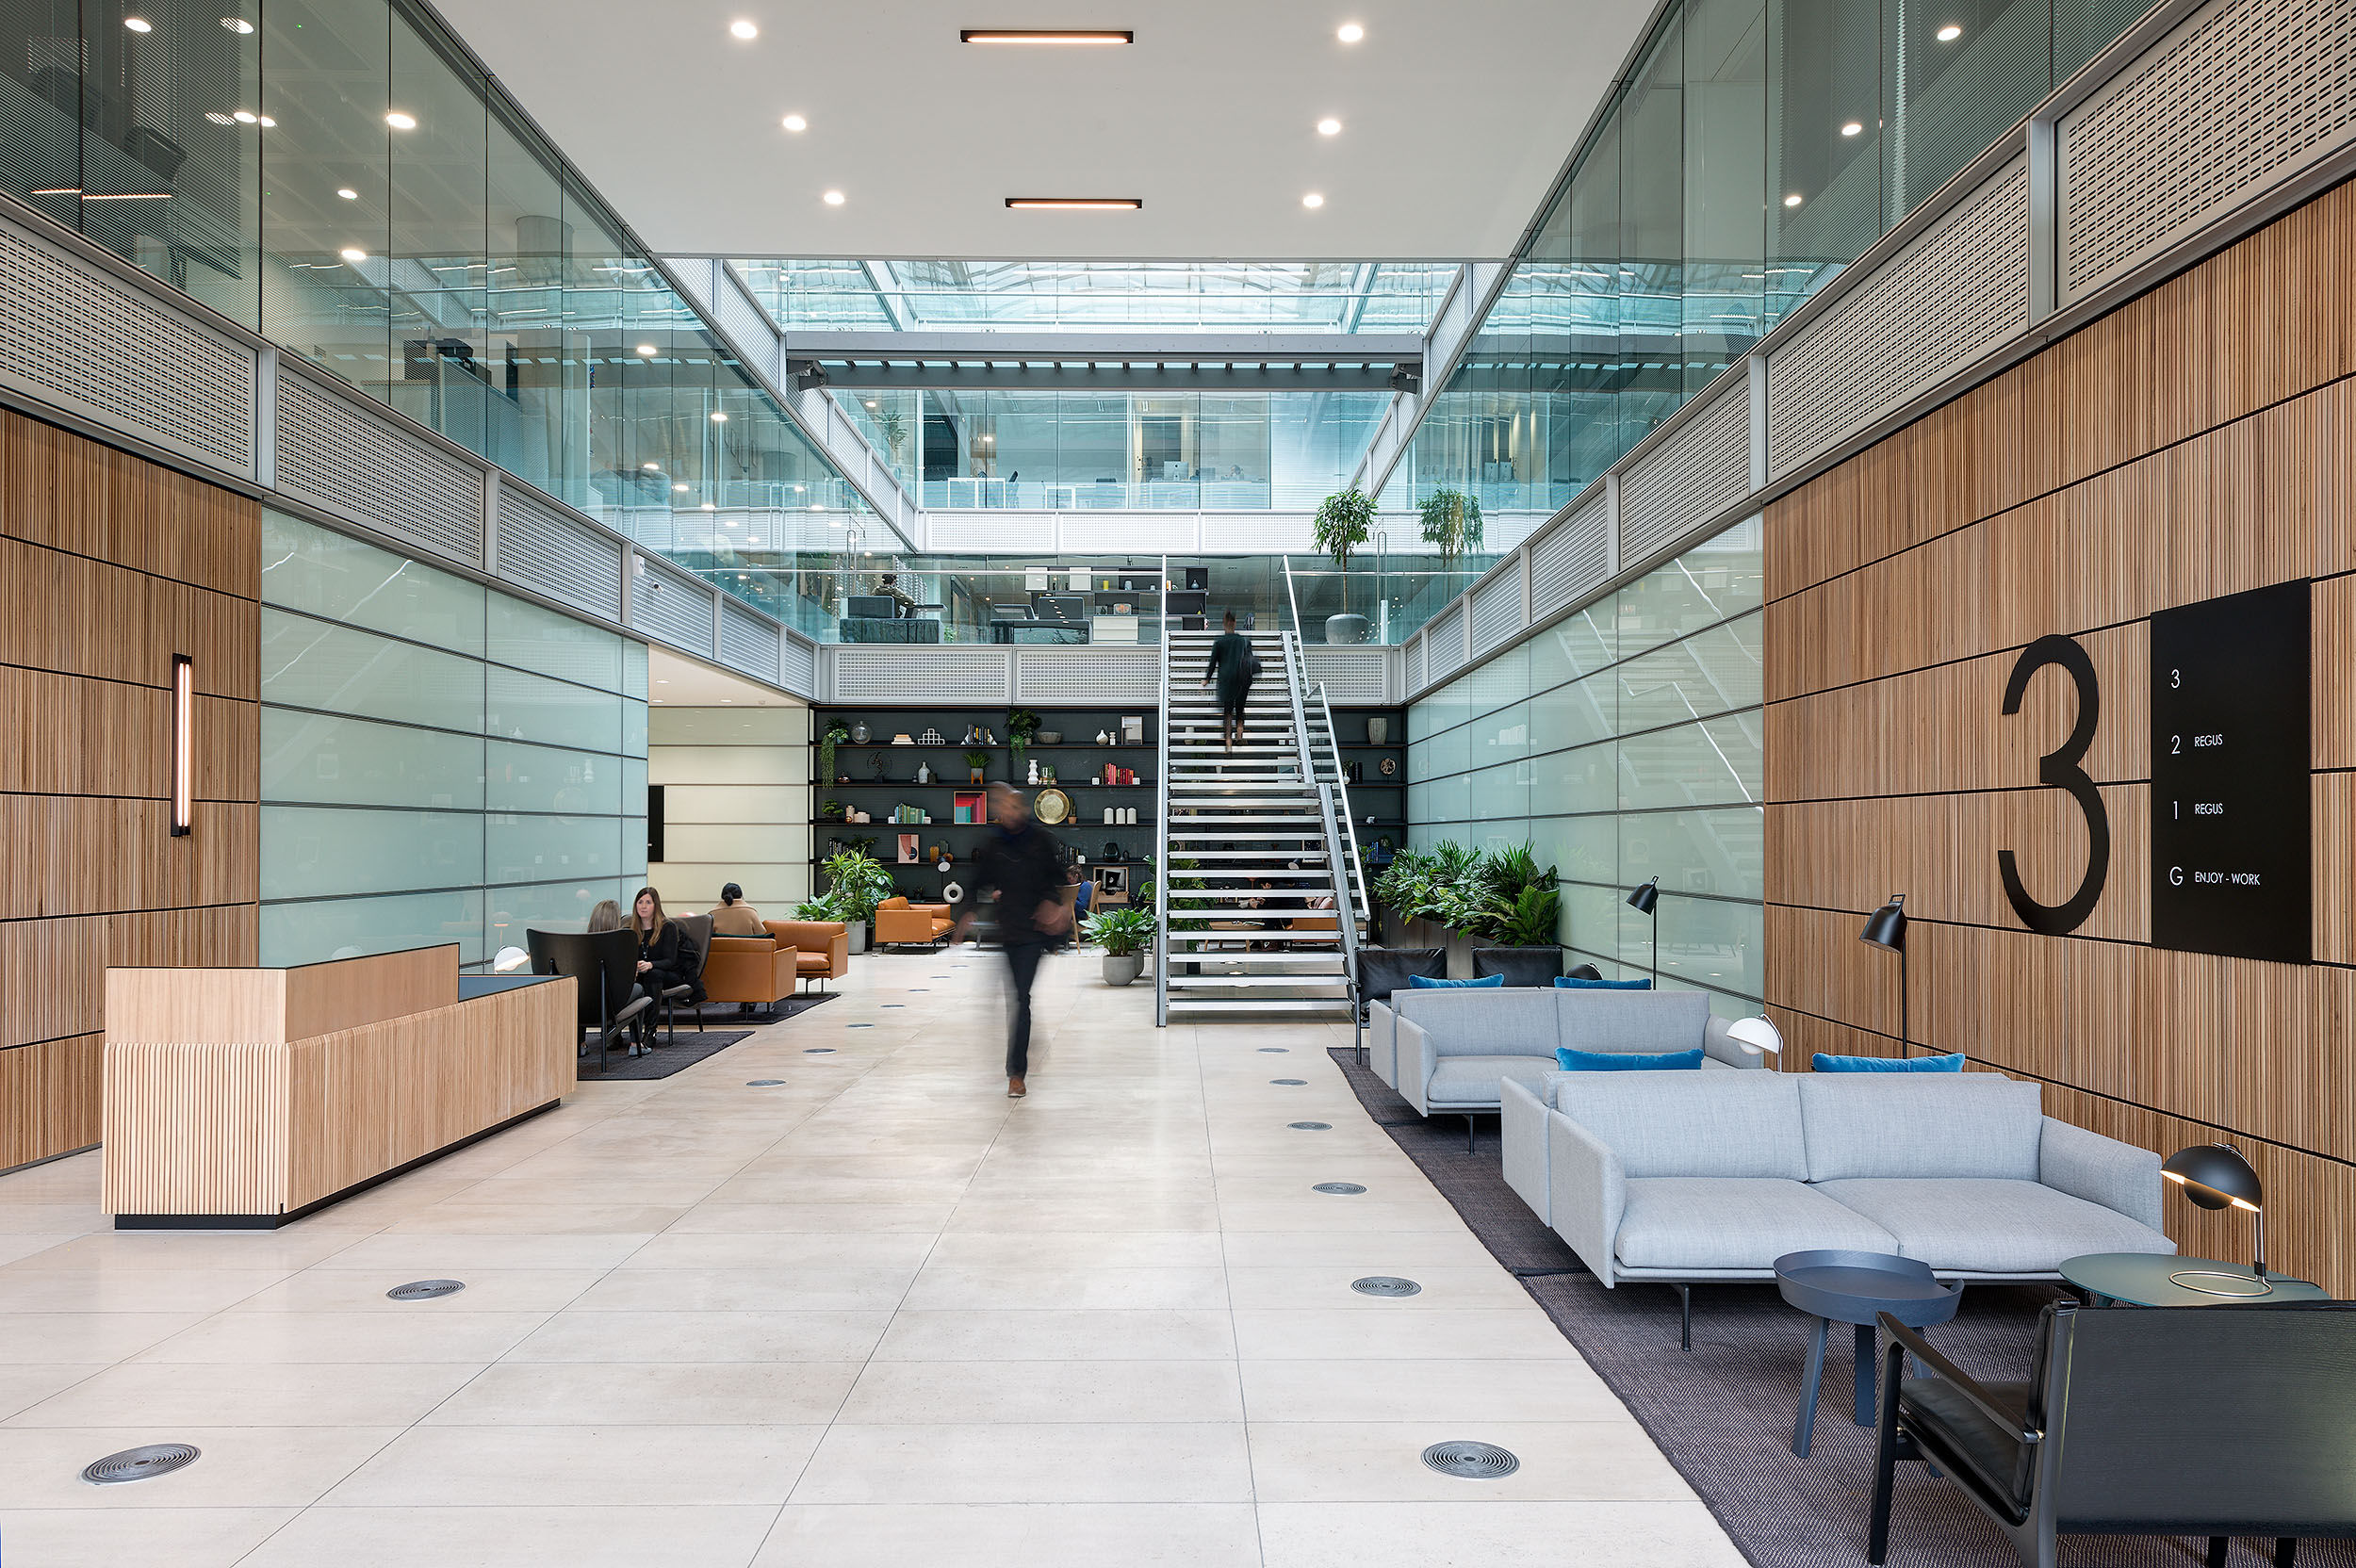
[734, 917]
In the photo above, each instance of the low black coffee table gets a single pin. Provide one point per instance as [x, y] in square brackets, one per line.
[1856, 1287]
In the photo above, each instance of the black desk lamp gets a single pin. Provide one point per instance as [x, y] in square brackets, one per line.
[1644, 898]
[2216, 1176]
[1887, 928]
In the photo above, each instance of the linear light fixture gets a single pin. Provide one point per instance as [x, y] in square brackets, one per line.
[1075, 203]
[129, 196]
[183, 671]
[1045, 35]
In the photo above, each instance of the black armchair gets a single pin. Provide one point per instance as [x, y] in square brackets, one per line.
[1521, 966]
[2205, 1421]
[603, 966]
[1384, 970]
[694, 952]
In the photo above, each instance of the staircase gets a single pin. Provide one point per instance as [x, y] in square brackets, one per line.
[1269, 811]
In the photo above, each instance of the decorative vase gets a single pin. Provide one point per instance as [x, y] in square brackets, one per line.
[1123, 969]
[861, 734]
[1378, 730]
[974, 775]
[859, 935]
[1346, 628]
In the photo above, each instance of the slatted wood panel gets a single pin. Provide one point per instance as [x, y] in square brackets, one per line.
[271, 1006]
[264, 1128]
[2199, 441]
[109, 566]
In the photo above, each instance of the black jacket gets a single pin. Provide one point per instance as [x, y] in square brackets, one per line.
[1026, 868]
[671, 952]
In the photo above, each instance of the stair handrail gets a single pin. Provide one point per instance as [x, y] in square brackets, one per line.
[1161, 822]
[1345, 917]
[1341, 786]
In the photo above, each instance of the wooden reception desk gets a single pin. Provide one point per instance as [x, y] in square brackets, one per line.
[245, 1098]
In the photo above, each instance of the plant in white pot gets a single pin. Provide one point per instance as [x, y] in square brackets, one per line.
[1345, 522]
[1452, 521]
[1124, 933]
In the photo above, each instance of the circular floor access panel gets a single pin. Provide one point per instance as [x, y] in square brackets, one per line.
[1310, 1126]
[1474, 1462]
[1340, 1190]
[139, 1465]
[1387, 1285]
[425, 1290]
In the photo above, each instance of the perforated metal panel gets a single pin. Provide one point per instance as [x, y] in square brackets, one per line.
[1701, 470]
[2243, 94]
[334, 455]
[542, 549]
[1127, 532]
[1959, 289]
[671, 606]
[799, 674]
[1088, 676]
[748, 642]
[1572, 562]
[745, 323]
[1418, 663]
[70, 336]
[1260, 532]
[1007, 531]
[1496, 607]
[941, 674]
[1443, 642]
[1349, 675]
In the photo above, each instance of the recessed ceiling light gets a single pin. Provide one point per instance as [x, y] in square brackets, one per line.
[1349, 32]
[679, 487]
[138, 24]
[246, 117]
[1329, 127]
[1044, 35]
[346, 193]
[744, 29]
[1950, 33]
[218, 118]
[400, 121]
[1792, 200]
[268, 124]
[709, 506]
[1313, 199]
[1852, 128]
[664, 681]
[646, 348]
[1075, 203]
[352, 253]
[795, 123]
[719, 417]
[236, 23]
[727, 699]
[832, 198]
[651, 467]
[871, 402]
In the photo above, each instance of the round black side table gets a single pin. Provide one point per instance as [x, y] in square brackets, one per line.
[1834, 1286]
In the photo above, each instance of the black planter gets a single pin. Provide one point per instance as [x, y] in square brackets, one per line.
[1534, 966]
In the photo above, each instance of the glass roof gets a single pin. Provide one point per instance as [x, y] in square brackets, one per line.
[1099, 296]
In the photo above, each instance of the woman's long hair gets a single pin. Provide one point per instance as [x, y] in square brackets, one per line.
[607, 916]
[661, 920]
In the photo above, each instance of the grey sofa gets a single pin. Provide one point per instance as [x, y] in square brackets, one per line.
[1688, 1177]
[1451, 1052]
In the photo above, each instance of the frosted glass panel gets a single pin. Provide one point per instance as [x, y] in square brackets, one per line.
[1573, 715]
[326, 574]
[1708, 851]
[307, 756]
[634, 848]
[634, 786]
[634, 669]
[1714, 943]
[1572, 781]
[1501, 681]
[542, 778]
[1594, 917]
[1501, 736]
[1576, 645]
[1716, 762]
[309, 664]
[1711, 672]
[1583, 849]
[1704, 586]
[351, 927]
[634, 728]
[540, 849]
[1500, 800]
[317, 851]
[548, 906]
[529, 637]
[531, 707]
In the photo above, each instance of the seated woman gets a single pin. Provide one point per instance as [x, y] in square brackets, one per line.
[734, 917]
[606, 916]
[666, 956]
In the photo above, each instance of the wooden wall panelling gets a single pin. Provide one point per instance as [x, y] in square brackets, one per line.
[80, 854]
[52, 972]
[73, 495]
[2334, 867]
[2333, 673]
[49, 1097]
[324, 999]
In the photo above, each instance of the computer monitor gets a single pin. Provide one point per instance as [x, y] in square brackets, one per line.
[872, 606]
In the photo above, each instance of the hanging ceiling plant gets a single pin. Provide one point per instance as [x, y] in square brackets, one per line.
[1451, 522]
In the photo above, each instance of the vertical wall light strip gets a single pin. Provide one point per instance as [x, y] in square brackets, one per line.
[183, 670]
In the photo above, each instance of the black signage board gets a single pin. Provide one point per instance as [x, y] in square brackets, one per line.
[2232, 820]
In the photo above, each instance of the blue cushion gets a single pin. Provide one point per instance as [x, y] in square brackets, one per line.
[1571, 983]
[1628, 1061]
[1425, 983]
[1887, 1064]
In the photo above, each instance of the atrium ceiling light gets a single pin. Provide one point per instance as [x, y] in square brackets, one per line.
[1312, 201]
[1075, 203]
[1083, 36]
[138, 24]
[346, 193]
[832, 198]
[651, 467]
[679, 487]
[795, 123]
[400, 121]
[1950, 33]
[1329, 127]
[236, 23]
[645, 348]
[352, 253]
[268, 124]
[719, 417]
[1792, 200]
[746, 30]
[246, 117]
[1349, 32]
[1853, 128]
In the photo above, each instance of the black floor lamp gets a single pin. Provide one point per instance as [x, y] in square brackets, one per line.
[1644, 898]
[1887, 928]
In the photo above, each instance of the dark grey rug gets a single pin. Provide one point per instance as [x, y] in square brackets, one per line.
[1723, 1414]
[663, 1060]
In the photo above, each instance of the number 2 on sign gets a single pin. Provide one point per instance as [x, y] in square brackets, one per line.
[2059, 769]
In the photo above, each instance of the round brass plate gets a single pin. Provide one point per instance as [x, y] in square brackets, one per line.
[1053, 806]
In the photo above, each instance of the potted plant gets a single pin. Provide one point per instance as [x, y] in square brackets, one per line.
[1345, 522]
[856, 883]
[837, 733]
[1021, 724]
[975, 762]
[1452, 520]
[1124, 933]
[830, 810]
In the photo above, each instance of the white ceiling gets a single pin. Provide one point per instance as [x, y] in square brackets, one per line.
[1455, 119]
[675, 680]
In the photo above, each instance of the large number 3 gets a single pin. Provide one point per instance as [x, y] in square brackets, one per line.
[2059, 769]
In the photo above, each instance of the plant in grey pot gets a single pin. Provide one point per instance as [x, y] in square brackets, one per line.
[976, 763]
[1124, 933]
[1345, 522]
[856, 883]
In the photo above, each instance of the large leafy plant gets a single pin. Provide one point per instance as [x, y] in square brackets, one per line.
[1502, 895]
[856, 883]
[1120, 931]
[1021, 724]
[1344, 522]
[1452, 521]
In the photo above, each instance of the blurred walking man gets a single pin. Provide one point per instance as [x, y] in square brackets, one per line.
[1023, 862]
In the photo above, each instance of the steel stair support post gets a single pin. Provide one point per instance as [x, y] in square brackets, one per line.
[1341, 787]
[1161, 826]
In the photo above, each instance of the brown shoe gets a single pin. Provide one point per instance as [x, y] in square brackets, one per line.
[1015, 1090]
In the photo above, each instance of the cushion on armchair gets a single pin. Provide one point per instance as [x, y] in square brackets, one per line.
[1426, 982]
[1822, 1063]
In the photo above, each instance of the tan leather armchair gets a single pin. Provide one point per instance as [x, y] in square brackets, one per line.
[822, 948]
[898, 920]
[760, 970]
